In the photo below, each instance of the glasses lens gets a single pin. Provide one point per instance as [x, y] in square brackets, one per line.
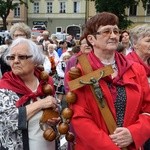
[10, 57]
[19, 35]
[106, 32]
[20, 57]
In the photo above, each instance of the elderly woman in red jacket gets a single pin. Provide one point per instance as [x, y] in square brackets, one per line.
[126, 92]
[140, 37]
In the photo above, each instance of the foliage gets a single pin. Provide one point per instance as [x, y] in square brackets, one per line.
[118, 7]
[6, 6]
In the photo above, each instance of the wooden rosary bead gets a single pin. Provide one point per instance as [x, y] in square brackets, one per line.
[47, 89]
[74, 73]
[71, 97]
[70, 137]
[67, 113]
[44, 75]
[49, 134]
[63, 128]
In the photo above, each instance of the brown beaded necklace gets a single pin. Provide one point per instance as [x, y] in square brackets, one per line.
[50, 132]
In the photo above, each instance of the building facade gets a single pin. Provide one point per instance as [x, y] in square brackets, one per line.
[67, 16]
[138, 14]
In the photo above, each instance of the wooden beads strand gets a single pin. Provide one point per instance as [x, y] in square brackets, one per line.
[49, 133]
[63, 127]
[67, 113]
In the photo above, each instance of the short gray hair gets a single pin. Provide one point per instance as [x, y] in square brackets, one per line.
[21, 27]
[38, 56]
[139, 32]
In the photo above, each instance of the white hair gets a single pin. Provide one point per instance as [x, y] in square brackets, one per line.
[139, 32]
[38, 56]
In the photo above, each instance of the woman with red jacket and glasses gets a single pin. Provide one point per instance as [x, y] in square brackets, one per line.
[126, 92]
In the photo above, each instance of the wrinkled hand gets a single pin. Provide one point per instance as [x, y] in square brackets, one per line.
[121, 137]
[48, 102]
[53, 121]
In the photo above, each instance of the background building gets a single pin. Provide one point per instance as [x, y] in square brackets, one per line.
[138, 14]
[67, 16]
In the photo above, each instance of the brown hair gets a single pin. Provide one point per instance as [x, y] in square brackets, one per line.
[81, 38]
[76, 49]
[121, 34]
[100, 19]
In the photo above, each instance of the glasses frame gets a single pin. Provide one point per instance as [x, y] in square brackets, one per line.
[108, 32]
[20, 57]
[19, 35]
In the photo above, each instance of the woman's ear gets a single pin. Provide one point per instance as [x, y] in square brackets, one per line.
[91, 39]
[135, 46]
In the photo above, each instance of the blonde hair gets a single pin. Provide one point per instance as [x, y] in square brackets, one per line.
[64, 55]
[51, 45]
[46, 33]
[21, 27]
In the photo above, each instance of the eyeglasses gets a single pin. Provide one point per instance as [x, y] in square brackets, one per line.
[20, 57]
[108, 32]
[84, 43]
[19, 35]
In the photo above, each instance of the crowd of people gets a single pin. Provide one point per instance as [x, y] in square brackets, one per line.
[111, 111]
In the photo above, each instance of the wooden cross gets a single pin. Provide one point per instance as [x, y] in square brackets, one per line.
[93, 80]
[97, 74]
[102, 104]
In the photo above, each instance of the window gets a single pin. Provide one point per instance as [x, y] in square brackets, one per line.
[36, 7]
[17, 12]
[76, 7]
[62, 7]
[148, 9]
[58, 29]
[49, 7]
[133, 10]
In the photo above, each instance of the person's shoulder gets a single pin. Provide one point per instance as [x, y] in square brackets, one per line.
[73, 58]
[4, 90]
[136, 64]
[138, 68]
[72, 61]
[130, 58]
[55, 53]
[59, 49]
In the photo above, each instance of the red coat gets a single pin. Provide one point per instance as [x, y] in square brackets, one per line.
[91, 131]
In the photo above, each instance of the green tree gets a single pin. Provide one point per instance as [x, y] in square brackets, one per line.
[118, 8]
[6, 6]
